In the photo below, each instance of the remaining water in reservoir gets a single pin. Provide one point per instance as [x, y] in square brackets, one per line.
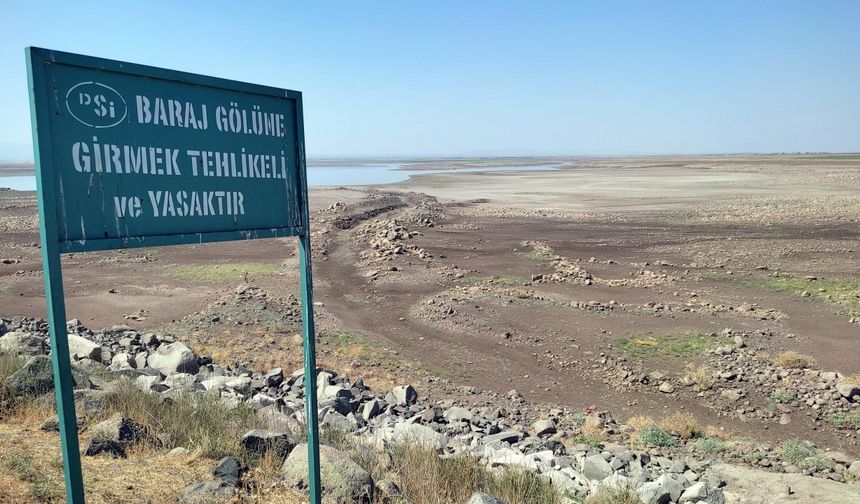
[337, 175]
[19, 183]
[372, 174]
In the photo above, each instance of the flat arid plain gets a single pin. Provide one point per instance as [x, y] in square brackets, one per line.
[722, 290]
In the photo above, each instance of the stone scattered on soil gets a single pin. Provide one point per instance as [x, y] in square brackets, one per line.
[343, 479]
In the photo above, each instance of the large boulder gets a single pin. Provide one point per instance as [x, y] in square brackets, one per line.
[695, 493]
[653, 492]
[596, 468]
[848, 390]
[342, 479]
[456, 414]
[97, 446]
[182, 382]
[229, 470]
[543, 427]
[82, 348]
[22, 343]
[412, 434]
[241, 384]
[404, 395]
[508, 436]
[671, 483]
[118, 428]
[37, 377]
[260, 441]
[854, 470]
[173, 358]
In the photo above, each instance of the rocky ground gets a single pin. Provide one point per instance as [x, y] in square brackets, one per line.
[721, 290]
[581, 453]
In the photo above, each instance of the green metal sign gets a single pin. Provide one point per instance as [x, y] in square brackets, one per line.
[135, 156]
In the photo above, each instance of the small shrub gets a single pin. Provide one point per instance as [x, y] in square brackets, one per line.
[710, 446]
[583, 439]
[845, 420]
[815, 463]
[656, 437]
[683, 425]
[577, 419]
[794, 451]
[794, 360]
[754, 457]
[702, 376]
[782, 396]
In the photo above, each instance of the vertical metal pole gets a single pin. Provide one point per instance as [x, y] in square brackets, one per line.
[52, 271]
[63, 380]
[306, 279]
[314, 486]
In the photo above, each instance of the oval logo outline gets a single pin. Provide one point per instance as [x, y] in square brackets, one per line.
[105, 86]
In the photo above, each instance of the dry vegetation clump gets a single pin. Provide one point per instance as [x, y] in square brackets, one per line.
[9, 364]
[666, 432]
[794, 360]
[683, 425]
[623, 494]
[852, 379]
[592, 428]
[265, 483]
[31, 468]
[43, 486]
[702, 377]
[423, 477]
[198, 422]
[426, 478]
[637, 423]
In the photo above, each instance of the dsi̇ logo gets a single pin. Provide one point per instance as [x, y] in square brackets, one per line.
[96, 105]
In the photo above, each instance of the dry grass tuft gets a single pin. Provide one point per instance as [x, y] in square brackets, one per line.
[637, 423]
[9, 364]
[702, 377]
[31, 471]
[592, 428]
[615, 495]
[852, 379]
[683, 425]
[265, 484]
[425, 478]
[712, 431]
[200, 422]
[794, 360]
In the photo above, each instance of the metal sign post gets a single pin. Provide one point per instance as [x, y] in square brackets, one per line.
[135, 156]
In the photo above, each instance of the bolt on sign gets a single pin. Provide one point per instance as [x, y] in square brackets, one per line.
[135, 156]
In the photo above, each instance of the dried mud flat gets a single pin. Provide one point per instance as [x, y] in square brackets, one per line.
[639, 286]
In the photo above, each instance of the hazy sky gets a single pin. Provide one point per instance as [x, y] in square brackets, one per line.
[451, 78]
